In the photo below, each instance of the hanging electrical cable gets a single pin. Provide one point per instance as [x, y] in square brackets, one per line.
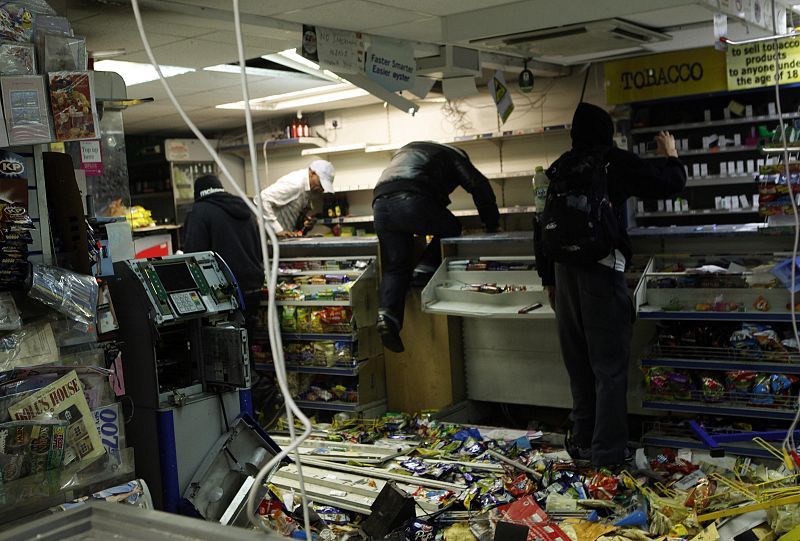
[272, 314]
[271, 272]
[789, 444]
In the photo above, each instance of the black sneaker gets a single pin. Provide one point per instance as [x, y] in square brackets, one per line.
[576, 452]
[628, 464]
[390, 335]
[420, 278]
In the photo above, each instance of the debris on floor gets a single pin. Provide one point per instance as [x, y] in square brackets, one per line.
[423, 480]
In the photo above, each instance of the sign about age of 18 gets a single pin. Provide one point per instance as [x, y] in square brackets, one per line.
[753, 65]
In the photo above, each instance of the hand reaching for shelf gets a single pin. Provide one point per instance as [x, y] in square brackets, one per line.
[666, 144]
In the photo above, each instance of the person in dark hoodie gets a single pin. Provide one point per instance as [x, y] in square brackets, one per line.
[411, 198]
[223, 223]
[594, 310]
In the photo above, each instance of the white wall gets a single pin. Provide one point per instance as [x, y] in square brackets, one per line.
[552, 102]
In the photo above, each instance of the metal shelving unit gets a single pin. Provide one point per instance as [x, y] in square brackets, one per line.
[714, 408]
[719, 180]
[713, 123]
[705, 152]
[740, 285]
[295, 142]
[350, 371]
[335, 405]
[447, 292]
[368, 375]
[697, 212]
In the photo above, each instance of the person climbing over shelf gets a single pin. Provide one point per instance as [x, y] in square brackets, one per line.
[411, 198]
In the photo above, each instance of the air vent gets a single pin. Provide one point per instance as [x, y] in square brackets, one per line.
[604, 36]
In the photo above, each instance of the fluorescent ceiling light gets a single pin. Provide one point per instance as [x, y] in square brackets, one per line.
[134, 73]
[301, 98]
[291, 59]
[230, 68]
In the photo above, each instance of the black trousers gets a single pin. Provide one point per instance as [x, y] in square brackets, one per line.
[398, 217]
[595, 320]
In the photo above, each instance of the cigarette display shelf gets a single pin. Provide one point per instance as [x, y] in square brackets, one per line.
[362, 372]
[715, 166]
[719, 180]
[713, 123]
[454, 290]
[698, 212]
[705, 152]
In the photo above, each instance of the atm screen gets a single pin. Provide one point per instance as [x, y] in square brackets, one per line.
[175, 276]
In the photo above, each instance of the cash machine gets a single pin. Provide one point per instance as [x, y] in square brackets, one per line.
[186, 364]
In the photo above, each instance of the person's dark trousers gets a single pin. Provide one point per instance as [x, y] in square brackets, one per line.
[398, 217]
[594, 316]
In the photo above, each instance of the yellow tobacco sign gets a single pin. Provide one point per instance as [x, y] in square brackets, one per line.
[665, 75]
[753, 65]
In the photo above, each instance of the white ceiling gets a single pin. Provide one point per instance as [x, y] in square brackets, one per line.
[199, 33]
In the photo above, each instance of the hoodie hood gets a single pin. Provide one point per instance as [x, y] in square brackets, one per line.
[233, 205]
[591, 126]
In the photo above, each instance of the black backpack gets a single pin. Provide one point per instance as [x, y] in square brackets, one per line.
[578, 223]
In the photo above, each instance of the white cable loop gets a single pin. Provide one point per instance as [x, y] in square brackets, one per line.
[271, 271]
[788, 442]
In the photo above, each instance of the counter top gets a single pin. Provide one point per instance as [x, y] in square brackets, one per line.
[156, 228]
[479, 238]
[701, 230]
[330, 242]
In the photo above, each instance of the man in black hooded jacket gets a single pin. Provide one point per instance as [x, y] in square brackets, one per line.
[223, 223]
[594, 311]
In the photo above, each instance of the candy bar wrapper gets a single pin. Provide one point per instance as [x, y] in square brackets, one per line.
[17, 58]
[14, 203]
[30, 447]
[26, 111]
[72, 101]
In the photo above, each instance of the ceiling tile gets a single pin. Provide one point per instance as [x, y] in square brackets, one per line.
[350, 15]
[193, 53]
[260, 7]
[255, 42]
[428, 29]
[102, 38]
[444, 7]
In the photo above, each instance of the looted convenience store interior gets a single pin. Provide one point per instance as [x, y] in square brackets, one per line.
[362, 269]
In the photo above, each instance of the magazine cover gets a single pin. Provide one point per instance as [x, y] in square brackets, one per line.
[72, 100]
[25, 108]
[3, 133]
[64, 397]
[29, 447]
[62, 53]
[17, 58]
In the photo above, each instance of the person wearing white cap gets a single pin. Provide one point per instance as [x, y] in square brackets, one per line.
[286, 201]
